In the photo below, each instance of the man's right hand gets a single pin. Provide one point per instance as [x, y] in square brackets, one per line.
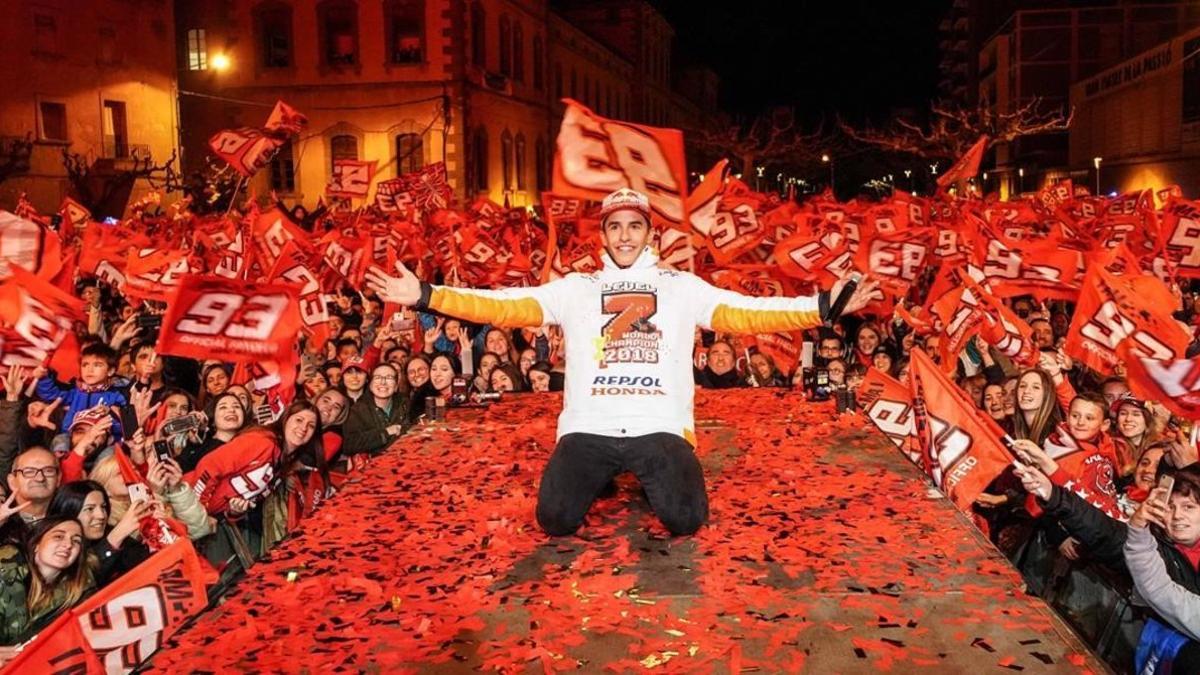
[404, 289]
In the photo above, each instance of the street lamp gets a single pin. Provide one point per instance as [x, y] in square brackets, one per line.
[1021, 174]
[220, 62]
[826, 159]
[1096, 163]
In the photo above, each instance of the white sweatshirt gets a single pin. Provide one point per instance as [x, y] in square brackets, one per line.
[629, 335]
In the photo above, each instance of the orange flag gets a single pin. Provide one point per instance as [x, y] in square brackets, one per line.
[889, 405]
[1112, 308]
[961, 446]
[967, 166]
[596, 155]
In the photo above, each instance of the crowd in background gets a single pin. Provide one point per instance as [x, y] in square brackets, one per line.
[213, 458]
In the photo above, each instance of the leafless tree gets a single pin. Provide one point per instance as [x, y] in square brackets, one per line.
[15, 153]
[105, 192]
[953, 129]
[772, 138]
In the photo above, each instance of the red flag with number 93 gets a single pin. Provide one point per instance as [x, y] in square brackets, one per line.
[209, 317]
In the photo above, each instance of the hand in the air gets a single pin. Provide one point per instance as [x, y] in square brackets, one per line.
[866, 293]
[404, 289]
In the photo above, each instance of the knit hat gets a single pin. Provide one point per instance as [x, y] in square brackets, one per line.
[625, 199]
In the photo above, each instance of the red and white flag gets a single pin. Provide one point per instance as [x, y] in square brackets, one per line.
[962, 448]
[230, 320]
[351, 178]
[596, 155]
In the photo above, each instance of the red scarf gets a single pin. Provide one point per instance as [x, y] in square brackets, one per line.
[1192, 553]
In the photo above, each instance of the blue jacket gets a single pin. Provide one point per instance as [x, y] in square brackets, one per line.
[75, 401]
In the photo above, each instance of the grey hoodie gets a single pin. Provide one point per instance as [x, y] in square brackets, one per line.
[1174, 603]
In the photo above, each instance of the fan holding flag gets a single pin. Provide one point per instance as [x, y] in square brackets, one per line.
[628, 331]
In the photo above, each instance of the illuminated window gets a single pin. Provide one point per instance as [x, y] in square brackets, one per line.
[197, 49]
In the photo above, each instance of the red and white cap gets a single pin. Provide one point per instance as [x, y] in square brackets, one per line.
[625, 198]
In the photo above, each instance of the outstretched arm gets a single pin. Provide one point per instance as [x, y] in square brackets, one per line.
[729, 312]
[506, 308]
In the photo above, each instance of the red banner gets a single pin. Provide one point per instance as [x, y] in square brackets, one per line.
[1111, 309]
[125, 622]
[1173, 382]
[888, 404]
[229, 320]
[596, 155]
[962, 448]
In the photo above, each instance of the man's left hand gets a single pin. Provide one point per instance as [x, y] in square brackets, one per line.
[866, 293]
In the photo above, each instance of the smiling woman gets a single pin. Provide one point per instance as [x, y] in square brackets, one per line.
[39, 580]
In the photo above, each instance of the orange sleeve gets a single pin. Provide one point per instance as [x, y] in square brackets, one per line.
[1065, 393]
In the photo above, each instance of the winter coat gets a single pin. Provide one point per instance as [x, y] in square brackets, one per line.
[1105, 537]
[16, 623]
[244, 467]
[1180, 606]
[75, 400]
[10, 433]
[364, 430]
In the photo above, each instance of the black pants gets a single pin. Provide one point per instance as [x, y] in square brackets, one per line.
[583, 464]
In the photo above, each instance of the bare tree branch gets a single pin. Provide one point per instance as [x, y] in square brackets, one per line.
[953, 129]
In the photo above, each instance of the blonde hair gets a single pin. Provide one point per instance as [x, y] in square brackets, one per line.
[102, 472]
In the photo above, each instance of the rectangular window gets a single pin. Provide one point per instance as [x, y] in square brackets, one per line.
[276, 27]
[45, 34]
[283, 170]
[107, 51]
[116, 135]
[197, 49]
[53, 118]
[341, 35]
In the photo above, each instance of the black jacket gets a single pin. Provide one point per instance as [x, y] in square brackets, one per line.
[364, 429]
[1105, 537]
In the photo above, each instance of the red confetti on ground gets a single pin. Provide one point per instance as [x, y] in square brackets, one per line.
[824, 552]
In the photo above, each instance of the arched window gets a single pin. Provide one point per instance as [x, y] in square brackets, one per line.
[342, 146]
[505, 46]
[479, 35]
[410, 153]
[518, 50]
[519, 151]
[539, 63]
[273, 25]
[404, 23]
[479, 160]
[506, 159]
[542, 164]
[338, 21]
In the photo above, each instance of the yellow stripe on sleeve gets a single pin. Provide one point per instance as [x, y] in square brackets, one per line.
[505, 312]
[726, 319]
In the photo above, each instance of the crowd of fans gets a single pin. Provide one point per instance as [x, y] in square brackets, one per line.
[213, 459]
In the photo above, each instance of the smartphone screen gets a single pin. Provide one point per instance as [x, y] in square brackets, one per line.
[1167, 482]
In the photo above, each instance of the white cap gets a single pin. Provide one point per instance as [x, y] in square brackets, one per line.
[625, 198]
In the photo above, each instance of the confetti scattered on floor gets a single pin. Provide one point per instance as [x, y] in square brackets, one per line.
[824, 553]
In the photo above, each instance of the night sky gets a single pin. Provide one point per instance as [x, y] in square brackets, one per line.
[861, 59]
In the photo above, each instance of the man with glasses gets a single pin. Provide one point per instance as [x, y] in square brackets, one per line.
[33, 478]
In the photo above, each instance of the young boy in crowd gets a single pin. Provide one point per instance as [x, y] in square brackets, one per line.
[93, 387]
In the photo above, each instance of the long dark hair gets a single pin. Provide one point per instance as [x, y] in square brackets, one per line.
[311, 453]
[69, 498]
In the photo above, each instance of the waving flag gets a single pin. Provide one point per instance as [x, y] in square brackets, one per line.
[1111, 309]
[596, 155]
[962, 448]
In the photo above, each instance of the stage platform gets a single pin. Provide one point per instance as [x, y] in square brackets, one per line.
[826, 552]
